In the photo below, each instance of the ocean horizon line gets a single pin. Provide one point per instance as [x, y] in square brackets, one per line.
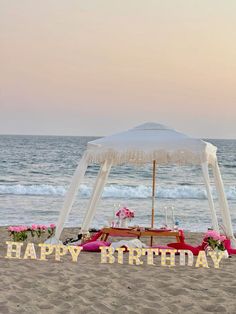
[100, 136]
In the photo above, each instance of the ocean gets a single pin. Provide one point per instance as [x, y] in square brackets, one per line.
[35, 172]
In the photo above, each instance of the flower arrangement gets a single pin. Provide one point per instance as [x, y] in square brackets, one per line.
[214, 241]
[123, 215]
[21, 233]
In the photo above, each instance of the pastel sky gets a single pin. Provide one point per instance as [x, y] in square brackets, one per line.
[83, 67]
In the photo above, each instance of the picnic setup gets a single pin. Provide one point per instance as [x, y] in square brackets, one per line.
[158, 145]
[148, 143]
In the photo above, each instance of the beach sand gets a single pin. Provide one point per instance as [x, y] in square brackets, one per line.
[32, 286]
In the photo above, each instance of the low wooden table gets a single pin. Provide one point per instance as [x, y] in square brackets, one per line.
[140, 232]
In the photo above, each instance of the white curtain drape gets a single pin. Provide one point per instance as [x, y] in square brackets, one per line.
[70, 197]
[96, 195]
[224, 207]
[101, 181]
[206, 177]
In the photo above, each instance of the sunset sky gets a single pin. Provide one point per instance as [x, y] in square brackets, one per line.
[73, 67]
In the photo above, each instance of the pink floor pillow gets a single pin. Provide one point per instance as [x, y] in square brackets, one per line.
[228, 247]
[94, 246]
[184, 246]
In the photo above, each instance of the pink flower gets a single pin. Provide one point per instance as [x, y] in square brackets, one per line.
[222, 238]
[40, 227]
[13, 229]
[125, 213]
[34, 227]
[213, 234]
[23, 228]
[52, 226]
[118, 213]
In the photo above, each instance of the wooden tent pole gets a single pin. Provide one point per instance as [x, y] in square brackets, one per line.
[153, 194]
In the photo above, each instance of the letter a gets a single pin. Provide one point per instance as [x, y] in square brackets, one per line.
[30, 251]
[201, 260]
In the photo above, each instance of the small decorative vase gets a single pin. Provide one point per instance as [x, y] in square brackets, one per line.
[35, 239]
[123, 223]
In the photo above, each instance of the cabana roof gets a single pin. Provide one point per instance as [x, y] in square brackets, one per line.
[148, 142]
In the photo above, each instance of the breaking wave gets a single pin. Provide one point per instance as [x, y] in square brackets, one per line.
[117, 191]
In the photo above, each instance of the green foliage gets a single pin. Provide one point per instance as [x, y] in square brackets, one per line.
[216, 244]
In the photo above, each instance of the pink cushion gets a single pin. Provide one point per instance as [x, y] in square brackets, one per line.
[228, 247]
[94, 246]
[185, 246]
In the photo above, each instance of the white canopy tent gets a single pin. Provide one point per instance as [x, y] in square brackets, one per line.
[144, 144]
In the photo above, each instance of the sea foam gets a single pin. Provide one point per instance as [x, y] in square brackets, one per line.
[118, 191]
